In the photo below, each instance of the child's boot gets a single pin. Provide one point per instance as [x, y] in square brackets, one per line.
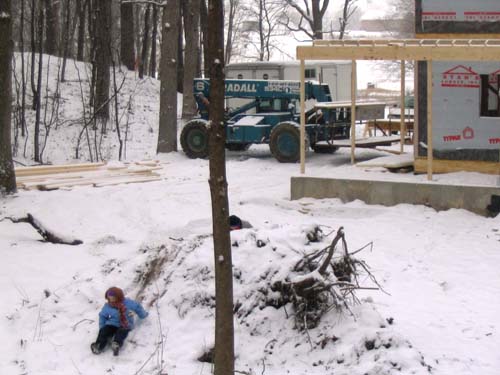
[95, 348]
[115, 347]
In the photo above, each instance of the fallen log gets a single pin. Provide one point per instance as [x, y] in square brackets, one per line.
[47, 235]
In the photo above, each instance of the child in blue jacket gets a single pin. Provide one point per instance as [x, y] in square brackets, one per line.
[116, 320]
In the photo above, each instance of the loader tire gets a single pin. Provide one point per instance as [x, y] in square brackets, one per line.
[194, 139]
[284, 142]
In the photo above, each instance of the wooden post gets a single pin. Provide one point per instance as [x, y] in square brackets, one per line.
[353, 111]
[416, 117]
[429, 120]
[302, 117]
[402, 130]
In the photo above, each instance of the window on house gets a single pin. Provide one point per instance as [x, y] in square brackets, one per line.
[310, 73]
[490, 101]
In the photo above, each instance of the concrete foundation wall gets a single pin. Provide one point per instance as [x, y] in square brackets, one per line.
[388, 193]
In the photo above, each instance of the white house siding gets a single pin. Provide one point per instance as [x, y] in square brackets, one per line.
[457, 123]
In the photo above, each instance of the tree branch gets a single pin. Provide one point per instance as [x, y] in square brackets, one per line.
[326, 262]
[324, 7]
[304, 14]
[46, 234]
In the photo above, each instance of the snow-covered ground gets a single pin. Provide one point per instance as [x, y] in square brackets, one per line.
[439, 270]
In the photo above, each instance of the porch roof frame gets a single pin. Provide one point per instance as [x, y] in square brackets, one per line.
[393, 49]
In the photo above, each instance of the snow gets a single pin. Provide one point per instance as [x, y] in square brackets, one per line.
[439, 270]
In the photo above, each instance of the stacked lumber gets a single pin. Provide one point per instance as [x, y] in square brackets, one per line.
[392, 162]
[52, 177]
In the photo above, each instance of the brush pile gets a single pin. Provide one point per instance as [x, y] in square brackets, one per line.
[323, 280]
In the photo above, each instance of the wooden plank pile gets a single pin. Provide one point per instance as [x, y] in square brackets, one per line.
[52, 177]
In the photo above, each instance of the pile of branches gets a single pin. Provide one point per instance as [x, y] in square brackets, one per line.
[325, 279]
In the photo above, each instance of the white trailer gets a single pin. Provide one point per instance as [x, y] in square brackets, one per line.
[336, 74]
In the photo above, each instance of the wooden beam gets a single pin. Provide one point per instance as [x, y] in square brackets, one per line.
[353, 110]
[453, 36]
[73, 178]
[369, 142]
[429, 50]
[128, 181]
[449, 166]
[54, 177]
[46, 169]
[97, 173]
[419, 50]
[402, 130]
[430, 156]
[102, 181]
[416, 120]
[426, 42]
[302, 117]
[148, 163]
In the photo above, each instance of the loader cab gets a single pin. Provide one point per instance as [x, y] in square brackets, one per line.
[273, 105]
[321, 92]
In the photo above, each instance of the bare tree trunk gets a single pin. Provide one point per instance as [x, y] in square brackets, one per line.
[167, 134]
[145, 43]
[180, 53]
[318, 12]
[261, 30]
[23, 72]
[38, 98]
[80, 6]
[102, 60]
[91, 22]
[154, 37]
[7, 177]
[52, 27]
[347, 12]
[204, 33]
[67, 37]
[191, 31]
[33, 51]
[229, 37]
[127, 50]
[224, 325]
[117, 119]
[313, 14]
[73, 22]
[137, 33]
[269, 16]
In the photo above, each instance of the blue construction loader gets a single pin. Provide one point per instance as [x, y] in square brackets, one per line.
[268, 112]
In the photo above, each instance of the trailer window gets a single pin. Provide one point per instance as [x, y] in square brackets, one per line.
[490, 103]
[310, 73]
